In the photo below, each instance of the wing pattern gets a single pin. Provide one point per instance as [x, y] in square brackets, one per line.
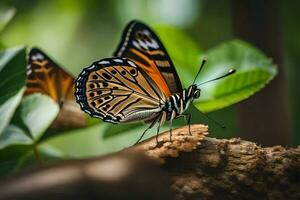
[117, 91]
[140, 44]
[44, 76]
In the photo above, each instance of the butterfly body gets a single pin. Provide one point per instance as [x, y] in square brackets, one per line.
[117, 90]
[178, 103]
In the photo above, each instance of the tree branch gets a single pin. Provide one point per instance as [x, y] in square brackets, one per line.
[226, 169]
[189, 167]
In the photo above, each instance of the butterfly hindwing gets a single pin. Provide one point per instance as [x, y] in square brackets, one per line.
[140, 44]
[46, 77]
[117, 91]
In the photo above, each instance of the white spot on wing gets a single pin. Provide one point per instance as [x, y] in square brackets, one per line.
[99, 116]
[118, 60]
[131, 63]
[92, 67]
[103, 62]
[37, 56]
[29, 72]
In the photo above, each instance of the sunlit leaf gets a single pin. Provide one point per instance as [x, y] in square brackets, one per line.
[254, 71]
[13, 135]
[115, 129]
[89, 142]
[7, 109]
[38, 112]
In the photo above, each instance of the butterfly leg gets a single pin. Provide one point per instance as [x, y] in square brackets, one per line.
[187, 118]
[151, 125]
[173, 115]
[161, 122]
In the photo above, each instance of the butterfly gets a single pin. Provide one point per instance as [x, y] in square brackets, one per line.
[139, 84]
[46, 77]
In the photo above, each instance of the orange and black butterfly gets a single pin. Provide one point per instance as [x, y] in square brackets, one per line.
[139, 84]
[46, 77]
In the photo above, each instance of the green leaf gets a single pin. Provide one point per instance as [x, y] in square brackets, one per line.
[89, 142]
[115, 129]
[12, 158]
[12, 72]
[2, 46]
[6, 14]
[13, 135]
[34, 115]
[8, 108]
[18, 157]
[38, 112]
[184, 52]
[254, 71]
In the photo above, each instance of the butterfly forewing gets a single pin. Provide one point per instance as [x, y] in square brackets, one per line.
[140, 44]
[117, 91]
[46, 77]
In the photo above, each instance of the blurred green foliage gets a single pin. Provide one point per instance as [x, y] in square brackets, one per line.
[76, 33]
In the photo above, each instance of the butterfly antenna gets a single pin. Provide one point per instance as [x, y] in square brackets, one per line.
[231, 71]
[202, 65]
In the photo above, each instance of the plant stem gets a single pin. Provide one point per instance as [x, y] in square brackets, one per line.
[37, 154]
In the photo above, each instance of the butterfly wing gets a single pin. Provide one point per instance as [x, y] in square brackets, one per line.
[117, 91]
[140, 44]
[46, 77]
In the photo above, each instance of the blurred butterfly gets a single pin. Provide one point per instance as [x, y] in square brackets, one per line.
[46, 77]
[139, 84]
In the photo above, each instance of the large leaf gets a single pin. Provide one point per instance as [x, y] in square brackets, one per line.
[6, 14]
[254, 71]
[184, 52]
[12, 72]
[13, 135]
[7, 109]
[89, 142]
[34, 115]
[38, 112]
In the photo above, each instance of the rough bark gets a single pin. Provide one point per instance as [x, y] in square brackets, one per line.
[227, 169]
[189, 167]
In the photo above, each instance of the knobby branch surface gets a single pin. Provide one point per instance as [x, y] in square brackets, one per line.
[189, 167]
[208, 168]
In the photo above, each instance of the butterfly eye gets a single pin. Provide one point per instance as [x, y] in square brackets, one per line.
[196, 94]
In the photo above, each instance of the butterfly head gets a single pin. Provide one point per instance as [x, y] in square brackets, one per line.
[193, 92]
